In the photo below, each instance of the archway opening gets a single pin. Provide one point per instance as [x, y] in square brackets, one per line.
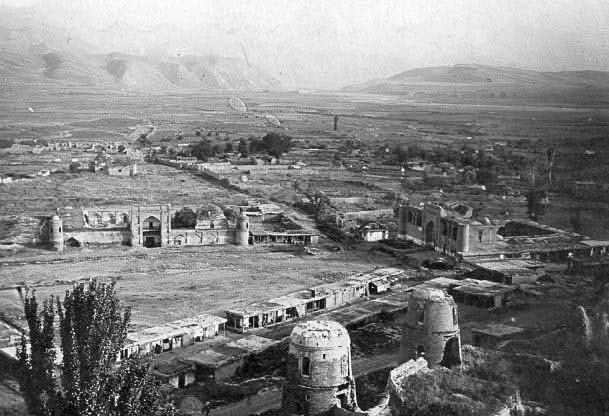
[452, 356]
[429, 233]
[306, 366]
[72, 242]
[151, 230]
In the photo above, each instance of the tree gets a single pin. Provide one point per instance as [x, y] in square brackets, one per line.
[576, 220]
[36, 378]
[5, 143]
[550, 156]
[242, 148]
[184, 218]
[535, 205]
[486, 176]
[228, 147]
[203, 150]
[93, 327]
[276, 144]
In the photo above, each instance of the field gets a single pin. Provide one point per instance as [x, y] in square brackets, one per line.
[174, 284]
[162, 285]
[166, 284]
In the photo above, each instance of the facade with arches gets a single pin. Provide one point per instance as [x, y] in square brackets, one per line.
[452, 229]
[447, 228]
[160, 226]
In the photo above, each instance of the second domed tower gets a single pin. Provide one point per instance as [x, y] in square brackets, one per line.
[431, 328]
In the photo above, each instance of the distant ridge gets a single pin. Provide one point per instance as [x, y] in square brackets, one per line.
[473, 74]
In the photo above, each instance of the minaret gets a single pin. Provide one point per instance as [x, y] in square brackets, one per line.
[56, 234]
[242, 232]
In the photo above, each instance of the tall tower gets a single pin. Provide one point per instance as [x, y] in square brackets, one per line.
[56, 233]
[431, 328]
[319, 373]
[242, 233]
[402, 210]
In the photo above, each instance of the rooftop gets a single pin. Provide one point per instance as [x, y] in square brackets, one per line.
[498, 330]
[483, 287]
[175, 328]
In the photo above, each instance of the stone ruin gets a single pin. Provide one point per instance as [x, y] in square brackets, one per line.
[431, 329]
[319, 378]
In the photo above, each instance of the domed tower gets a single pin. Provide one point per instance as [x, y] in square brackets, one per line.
[431, 328]
[242, 233]
[56, 233]
[318, 370]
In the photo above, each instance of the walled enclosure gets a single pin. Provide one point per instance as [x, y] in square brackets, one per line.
[431, 329]
[152, 226]
[445, 230]
[319, 373]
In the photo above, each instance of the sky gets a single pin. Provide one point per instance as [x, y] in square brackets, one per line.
[332, 43]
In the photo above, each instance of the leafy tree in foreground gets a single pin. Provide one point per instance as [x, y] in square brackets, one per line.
[93, 326]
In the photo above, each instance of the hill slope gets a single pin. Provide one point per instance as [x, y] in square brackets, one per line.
[32, 52]
[480, 82]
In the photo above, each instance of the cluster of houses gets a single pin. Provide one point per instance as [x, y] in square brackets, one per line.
[108, 147]
[317, 298]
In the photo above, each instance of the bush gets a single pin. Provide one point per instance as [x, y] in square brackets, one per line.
[203, 150]
[184, 218]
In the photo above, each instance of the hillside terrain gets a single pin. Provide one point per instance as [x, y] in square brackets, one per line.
[33, 53]
[490, 82]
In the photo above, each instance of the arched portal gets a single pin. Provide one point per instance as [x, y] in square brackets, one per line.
[151, 230]
[72, 242]
[452, 356]
[429, 233]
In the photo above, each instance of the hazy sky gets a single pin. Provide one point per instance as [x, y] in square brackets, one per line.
[331, 43]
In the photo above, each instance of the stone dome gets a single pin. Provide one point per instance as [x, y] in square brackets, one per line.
[320, 334]
[428, 294]
[209, 212]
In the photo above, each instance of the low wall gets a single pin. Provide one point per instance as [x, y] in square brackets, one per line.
[87, 237]
[189, 237]
[369, 214]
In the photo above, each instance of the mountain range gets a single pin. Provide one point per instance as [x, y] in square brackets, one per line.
[32, 52]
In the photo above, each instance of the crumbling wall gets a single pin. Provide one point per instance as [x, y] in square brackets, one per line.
[431, 328]
[85, 238]
[395, 381]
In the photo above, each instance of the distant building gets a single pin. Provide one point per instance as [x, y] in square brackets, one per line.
[452, 229]
[372, 231]
[151, 226]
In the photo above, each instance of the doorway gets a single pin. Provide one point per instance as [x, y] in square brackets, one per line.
[452, 353]
[429, 234]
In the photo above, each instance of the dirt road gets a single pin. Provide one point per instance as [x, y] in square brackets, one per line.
[272, 399]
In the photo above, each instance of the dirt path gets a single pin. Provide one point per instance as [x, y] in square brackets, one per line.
[272, 399]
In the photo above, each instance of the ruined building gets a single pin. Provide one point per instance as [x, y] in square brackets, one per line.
[453, 229]
[431, 328]
[158, 226]
[319, 377]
